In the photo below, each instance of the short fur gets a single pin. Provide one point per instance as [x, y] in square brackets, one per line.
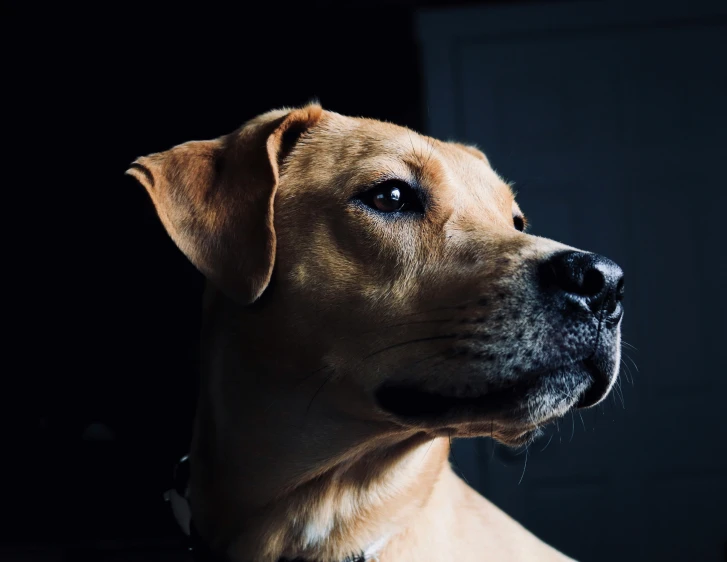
[292, 454]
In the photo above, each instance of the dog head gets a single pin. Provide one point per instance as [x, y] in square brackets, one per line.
[396, 269]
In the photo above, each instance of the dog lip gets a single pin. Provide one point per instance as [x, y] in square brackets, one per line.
[599, 387]
[411, 403]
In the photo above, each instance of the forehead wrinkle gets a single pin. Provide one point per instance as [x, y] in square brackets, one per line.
[417, 146]
[377, 168]
[480, 168]
[480, 192]
[407, 155]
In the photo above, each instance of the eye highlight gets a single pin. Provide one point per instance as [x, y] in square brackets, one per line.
[393, 196]
[518, 222]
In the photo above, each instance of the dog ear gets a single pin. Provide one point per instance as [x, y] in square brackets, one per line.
[215, 198]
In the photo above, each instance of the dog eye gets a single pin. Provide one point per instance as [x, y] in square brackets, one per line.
[393, 196]
[519, 222]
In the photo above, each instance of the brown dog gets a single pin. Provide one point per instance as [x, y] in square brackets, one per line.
[371, 295]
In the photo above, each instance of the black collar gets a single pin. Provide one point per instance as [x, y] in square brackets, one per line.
[198, 549]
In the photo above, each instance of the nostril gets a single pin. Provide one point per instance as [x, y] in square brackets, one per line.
[593, 280]
[575, 273]
[593, 283]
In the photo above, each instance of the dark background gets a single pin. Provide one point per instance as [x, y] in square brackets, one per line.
[104, 310]
[108, 329]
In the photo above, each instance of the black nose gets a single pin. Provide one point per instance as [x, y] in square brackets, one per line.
[593, 280]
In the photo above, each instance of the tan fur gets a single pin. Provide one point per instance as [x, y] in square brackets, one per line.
[291, 455]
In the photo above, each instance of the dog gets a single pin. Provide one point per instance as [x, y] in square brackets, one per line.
[372, 294]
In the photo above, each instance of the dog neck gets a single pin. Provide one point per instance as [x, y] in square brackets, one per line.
[278, 475]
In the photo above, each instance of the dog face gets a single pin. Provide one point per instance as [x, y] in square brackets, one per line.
[402, 277]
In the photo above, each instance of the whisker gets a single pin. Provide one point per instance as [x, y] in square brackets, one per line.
[618, 392]
[413, 150]
[623, 342]
[423, 359]
[325, 381]
[430, 142]
[300, 382]
[408, 369]
[632, 361]
[573, 426]
[414, 322]
[353, 361]
[438, 363]
[311, 374]
[524, 465]
[560, 437]
[409, 342]
[548, 443]
[433, 320]
[452, 307]
[627, 372]
[582, 421]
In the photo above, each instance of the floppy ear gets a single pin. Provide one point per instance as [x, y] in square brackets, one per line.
[215, 198]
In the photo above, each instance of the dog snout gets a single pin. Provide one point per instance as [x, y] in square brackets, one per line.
[594, 281]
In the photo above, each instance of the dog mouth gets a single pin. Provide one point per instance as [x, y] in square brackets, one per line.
[549, 393]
